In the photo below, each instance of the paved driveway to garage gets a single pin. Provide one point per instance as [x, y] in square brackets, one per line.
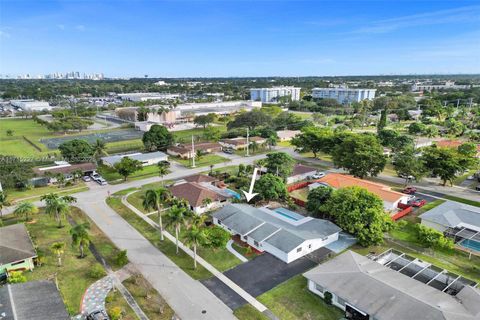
[261, 274]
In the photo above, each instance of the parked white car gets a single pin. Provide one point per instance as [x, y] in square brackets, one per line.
[318, 175]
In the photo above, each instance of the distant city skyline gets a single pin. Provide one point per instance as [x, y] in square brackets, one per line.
[239, 38]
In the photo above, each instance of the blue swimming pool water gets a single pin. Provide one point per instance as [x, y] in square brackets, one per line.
[471, 244]
[288, 214]
[233, 193]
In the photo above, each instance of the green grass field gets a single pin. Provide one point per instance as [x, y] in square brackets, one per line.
[32, 194]
[111, 175]
[205, 160]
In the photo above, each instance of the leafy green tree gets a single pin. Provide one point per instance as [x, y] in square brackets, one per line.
[3, 202]
[416, 128]
[211, 133]
[468, 155]
[80, 237]
[431, 131]
[76, 151]
[195, 237]
[387, 137]
[57, 207]
[382, 123]
[142, 113]
[25, 209]
[270, 187]
[121, 259]
[314, 139]
[455, 127]
[408, 163]
[445, 163]
[14, 172]
[359, 212]
[127, 166]
[250, 120]
[176, 218]
[279, 163]
[217, 237]
[432, 238]
[157, 138]
[16, 277]
[316, 198]
[204, 120]
[155, 199]
[58, 248]
[9, 132]
[360, 155]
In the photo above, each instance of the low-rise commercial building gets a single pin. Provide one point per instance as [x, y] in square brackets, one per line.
[146, 96]
[146, 159]
[344, 95]
[31, 105]
[272, 95]
[284, 234]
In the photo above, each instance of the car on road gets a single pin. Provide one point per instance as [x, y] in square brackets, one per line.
[411, 197]
[98, 315]
[86, 178]
[229, 150]
[318, 175]
[409, 190]
[417, 203]
[164, 162]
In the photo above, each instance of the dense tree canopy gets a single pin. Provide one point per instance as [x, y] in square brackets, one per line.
[316, 199]
[158, 138]
[270, 187]
[250, 120]
[127, 166]
[279, 163]
[76, 151]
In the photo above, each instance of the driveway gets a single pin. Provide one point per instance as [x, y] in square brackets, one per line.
[260, 275]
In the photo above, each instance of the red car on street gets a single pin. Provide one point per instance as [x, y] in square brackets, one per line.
[417, 203]
[409, 190]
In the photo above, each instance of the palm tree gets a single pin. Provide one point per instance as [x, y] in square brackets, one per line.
[99, 149]
[162, 170]
[198, 220]
[58, 248]
[176, 217]
[272, 141]
[3, 202]
[25, 209]
[154, 199]
[195, 237]
[80, 237]
[57, 207]
[77, 174]
[60, 179]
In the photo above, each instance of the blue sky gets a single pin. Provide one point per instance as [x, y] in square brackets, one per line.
[239, 38]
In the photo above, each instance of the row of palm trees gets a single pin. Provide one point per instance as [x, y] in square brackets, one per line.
[178, 215]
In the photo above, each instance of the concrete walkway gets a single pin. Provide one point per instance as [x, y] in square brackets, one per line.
[235, 252]
[245, 295]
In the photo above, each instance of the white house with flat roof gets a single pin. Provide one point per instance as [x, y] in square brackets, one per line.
[146, 159]
[344, 95]
[284, 234]
[31, 105]
[273, 94]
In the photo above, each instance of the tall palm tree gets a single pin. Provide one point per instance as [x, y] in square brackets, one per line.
[3, 202]
[176, 217]
[99, 149]
[58, 248]
[80, 237]
[198, 220]
[25, 209]
[154, 199]
[195, 237]
[57, 207]
[162, 170]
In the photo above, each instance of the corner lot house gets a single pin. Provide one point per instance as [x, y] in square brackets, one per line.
[198, 188]
[62, 167]
[366, 289]
[390, 198]
[457, 220]
[147, 159]
[287, 135]
[33, 300]
[16, 249]
[241, 143]
[280, 232]
[301, 172]
[185, 151]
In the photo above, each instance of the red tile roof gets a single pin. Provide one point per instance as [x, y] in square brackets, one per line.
[194, 193]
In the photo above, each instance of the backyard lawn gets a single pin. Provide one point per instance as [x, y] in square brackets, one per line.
[301, 194]
[111, 175]
[292, 300]
[73, 276]
[205, 160]
[35, 193]
[185, 136]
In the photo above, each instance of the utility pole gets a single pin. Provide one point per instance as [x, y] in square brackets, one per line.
[248, 142]
[193, 153]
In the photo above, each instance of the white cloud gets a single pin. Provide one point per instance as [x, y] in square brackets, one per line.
[458, 15]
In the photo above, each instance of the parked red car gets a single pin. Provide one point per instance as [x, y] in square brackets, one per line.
[417, 203]
[410, 190]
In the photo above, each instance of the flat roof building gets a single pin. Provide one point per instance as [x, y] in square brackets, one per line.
[272, 95]
[285, 234]
[146, 96]
[344, 95]
[146, 159]
[31, 105]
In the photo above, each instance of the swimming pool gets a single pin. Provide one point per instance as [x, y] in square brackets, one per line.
[470, 244]
[233, 193]
[288, 214]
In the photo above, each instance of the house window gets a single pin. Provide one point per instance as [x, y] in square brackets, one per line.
[299, 249]
[319, 288]
[255, 242]
[18, 262]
